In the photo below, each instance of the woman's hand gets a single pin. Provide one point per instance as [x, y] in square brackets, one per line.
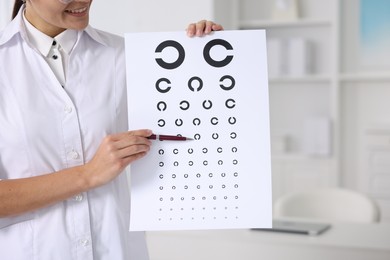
[202, 28]
[115, 153]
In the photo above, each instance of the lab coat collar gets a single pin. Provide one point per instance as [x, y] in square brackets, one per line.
[15, 27]
[93, 33]
[38, 39]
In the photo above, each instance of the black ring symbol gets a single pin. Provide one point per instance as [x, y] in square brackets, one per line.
[210, 104]
[180, 50]
[219, 149]
[215, 136]
[211, 61]
[197, 79]
[232, 120]
[175, 151]
[185, 176]
[223, 175]
[235, 162]
[234, 149]
[233, 135]
[161, 106]
[187, 105]
[190, 150]
[179, 122]
[190, 163]
[214, 121]
[161, 151]
[197, 136]
[205, 150]
[159, 89]
[176, 163]
[230, 103]
[233, 82]
[161, 122]
[196, 121]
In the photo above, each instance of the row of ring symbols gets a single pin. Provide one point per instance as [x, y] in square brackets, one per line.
[193, 218]
[191, 87]
[205, 163]
[185, 105]
[196, 121]
[202, 208]
[191, 150]
[215, 136]
[202, 198]
[198, 175]
[198, 187]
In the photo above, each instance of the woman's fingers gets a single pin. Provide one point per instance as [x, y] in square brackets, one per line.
[116, 152]
[202, 28]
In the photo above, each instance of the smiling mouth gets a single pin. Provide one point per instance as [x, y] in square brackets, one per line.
[77, 11]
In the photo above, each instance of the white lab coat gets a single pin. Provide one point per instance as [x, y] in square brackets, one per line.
[46, 128]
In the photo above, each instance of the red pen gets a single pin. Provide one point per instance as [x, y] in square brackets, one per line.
[168, 138]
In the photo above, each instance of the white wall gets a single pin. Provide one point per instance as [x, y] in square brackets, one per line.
[5, 12]
[119, 16]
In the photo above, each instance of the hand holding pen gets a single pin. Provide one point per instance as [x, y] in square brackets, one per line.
[169, 138]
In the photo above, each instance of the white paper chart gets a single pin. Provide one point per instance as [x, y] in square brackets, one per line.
[213, 89]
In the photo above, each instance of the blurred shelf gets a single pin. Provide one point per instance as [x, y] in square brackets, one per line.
[301, 157]
[303, 79]
[362, 77]
[264, 24]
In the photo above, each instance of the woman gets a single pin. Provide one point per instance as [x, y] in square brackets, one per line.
[63, 139]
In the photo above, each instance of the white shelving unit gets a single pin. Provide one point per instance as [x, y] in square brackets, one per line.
[353, 98]
[296, 99]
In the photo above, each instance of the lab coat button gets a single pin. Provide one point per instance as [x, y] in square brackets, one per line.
[84, 242]
[78, 197]
[75, 155]
[68, 110]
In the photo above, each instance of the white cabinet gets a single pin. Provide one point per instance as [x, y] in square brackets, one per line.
[354, 98]
[303, 99]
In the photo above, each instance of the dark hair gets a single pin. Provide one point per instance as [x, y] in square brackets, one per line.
[17, 5]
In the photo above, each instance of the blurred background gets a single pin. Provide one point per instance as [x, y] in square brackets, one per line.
[328, 79]
[329, 75]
